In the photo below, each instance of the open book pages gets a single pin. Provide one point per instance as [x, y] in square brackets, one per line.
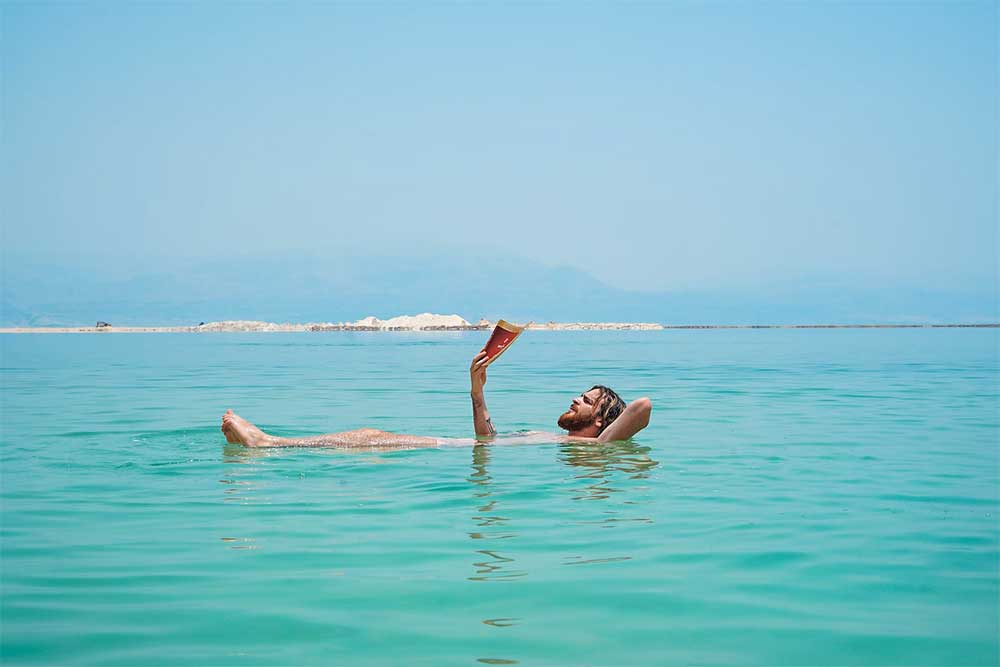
[504, 334]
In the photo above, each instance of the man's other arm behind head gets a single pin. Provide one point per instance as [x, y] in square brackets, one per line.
[631, 421]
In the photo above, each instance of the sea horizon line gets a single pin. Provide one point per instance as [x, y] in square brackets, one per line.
[271, 327]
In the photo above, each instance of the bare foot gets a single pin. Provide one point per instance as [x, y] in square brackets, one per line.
[240, 431]
[227, 430]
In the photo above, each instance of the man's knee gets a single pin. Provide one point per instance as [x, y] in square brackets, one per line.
[365, 434]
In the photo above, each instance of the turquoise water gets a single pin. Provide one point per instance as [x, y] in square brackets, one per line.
[800, 497]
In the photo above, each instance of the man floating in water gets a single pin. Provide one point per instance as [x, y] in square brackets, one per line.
[596, 415]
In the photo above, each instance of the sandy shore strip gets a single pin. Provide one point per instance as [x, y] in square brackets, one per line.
[432, 322]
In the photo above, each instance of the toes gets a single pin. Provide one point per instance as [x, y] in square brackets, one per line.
[230, 436]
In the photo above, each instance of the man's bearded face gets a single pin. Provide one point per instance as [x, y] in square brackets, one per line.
[582, 412]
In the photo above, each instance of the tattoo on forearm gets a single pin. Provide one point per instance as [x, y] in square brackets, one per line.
[480, 417]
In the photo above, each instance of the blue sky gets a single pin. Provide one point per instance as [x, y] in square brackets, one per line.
[667, 146]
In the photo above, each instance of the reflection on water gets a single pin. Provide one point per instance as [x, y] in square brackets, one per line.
[239, 454]
[624, 456]
[236, 489]
[495, 566]
[613, 473]
[480, 475]
[603, 462]
[579, 560]
[606, 469]
[238, 540]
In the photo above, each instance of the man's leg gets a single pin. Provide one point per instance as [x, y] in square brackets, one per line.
[240, 431]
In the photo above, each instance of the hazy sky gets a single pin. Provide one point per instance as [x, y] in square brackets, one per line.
[660, 146]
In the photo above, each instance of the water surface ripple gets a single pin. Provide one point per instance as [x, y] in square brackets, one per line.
[800, 497]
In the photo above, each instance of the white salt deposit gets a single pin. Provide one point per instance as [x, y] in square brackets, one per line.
[424, 321]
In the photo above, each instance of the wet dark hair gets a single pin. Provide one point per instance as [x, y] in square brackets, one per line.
[610, 405]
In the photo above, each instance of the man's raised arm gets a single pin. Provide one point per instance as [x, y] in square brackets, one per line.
[631, 421]
[480, 415]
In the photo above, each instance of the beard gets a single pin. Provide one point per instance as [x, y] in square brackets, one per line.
[572, 421]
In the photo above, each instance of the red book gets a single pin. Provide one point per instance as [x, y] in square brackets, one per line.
[504, 334]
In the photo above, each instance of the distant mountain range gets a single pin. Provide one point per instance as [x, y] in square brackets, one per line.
[342, 289]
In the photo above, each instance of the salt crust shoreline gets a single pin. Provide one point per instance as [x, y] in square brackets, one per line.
[431, 322]
[425, 322]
